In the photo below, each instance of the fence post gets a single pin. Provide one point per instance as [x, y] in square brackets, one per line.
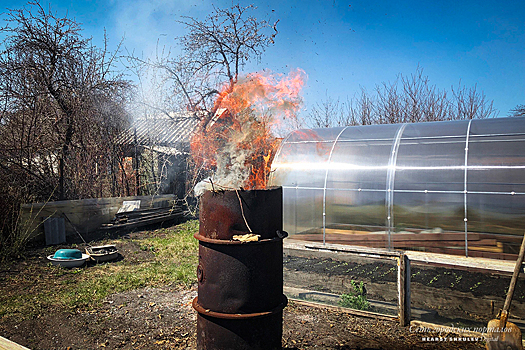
[403, 287]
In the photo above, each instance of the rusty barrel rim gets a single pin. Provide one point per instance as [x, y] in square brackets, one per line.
[206, 312]
[202, 238]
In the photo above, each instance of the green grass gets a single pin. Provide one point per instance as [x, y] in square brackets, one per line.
[47, 288]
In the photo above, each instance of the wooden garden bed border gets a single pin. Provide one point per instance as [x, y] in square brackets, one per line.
[404, 259]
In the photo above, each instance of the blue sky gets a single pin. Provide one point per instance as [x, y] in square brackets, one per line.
[345, 45]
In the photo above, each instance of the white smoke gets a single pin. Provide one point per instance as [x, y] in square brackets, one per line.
[149, 24]
[245, 146]
[231, 172]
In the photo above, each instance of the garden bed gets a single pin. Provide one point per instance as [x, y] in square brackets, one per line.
[443, 295]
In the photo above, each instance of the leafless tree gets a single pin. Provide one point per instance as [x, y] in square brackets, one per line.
[360, 111]
[62, 106]
[518, 111]
[214, 51]
[322, 114]
[468, 103]
[218, 47]
[50, 72]
[407, 99]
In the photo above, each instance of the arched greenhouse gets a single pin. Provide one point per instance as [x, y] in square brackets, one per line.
[455, 187]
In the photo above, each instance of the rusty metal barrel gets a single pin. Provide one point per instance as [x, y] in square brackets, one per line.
[240, 298]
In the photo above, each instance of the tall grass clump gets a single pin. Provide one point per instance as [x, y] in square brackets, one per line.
[17, 230]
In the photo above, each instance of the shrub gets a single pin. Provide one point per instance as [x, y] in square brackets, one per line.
[356, 298]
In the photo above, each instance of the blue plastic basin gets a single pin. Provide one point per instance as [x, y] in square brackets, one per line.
[68, 254]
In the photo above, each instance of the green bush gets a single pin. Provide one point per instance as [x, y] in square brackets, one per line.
[356, 298]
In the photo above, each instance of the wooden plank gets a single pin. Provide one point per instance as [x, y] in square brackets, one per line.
[403, 287]
[415, 243]
[347, 231]
[488, 248]
[6, 344]
[408, 290]
[482, 245]
[453, 260]
[416, 235]
[344, 309]
[139, 223]
[362, 251]
[414, 256]
[154, 215]
[504, 238]
[401, 290]
[472, 253]
[444, 236]
[449, 236]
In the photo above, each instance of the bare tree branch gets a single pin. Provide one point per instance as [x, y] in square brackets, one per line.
[62, 108]
[518, 111]
[408, 99]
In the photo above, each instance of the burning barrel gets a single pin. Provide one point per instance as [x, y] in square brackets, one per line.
[240, 292]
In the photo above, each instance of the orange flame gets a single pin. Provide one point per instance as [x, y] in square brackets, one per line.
[240, 135]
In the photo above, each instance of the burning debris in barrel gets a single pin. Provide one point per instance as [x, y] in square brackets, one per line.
[238, 142]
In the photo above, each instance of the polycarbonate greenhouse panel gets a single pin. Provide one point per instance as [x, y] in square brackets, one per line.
[431, 157]
[308, 210]
[347, 208]
[496, 213]
[460, 183]
[314, 135]
[428, 211]
[290, 214]
[381, 132]
[302, 163]
[359, 163]
[496, 157]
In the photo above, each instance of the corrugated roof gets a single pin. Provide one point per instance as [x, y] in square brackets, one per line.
[161, 130]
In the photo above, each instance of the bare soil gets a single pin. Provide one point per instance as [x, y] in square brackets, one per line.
[444, 295]
[477, 283]
[162, 318]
